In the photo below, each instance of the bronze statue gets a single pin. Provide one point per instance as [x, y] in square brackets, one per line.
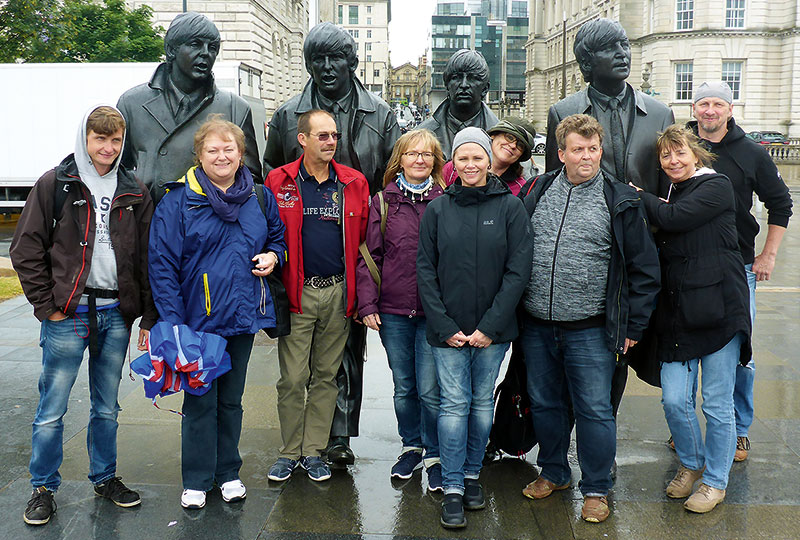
[164, 114]
[368, 126]
[466, 77]
[631, 119]
[368, 130]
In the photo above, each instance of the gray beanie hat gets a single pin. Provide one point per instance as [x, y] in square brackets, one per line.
[475, 135]
[717, 89]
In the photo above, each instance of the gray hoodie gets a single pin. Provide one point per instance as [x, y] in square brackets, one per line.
[103, 268]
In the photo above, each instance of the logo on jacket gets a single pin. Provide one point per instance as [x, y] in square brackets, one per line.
[488, 222]
[287, 197]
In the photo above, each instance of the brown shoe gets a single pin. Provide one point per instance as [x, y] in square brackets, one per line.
[541, 488]
[595, 509]
[681, 485]
[704, 499]
[742, 449]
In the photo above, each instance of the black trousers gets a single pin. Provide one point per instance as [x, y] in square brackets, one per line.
[350, 380]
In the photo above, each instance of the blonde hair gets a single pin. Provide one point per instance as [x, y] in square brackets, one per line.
[217, 125]
[677, 136]
[584, 125]
[405, 142]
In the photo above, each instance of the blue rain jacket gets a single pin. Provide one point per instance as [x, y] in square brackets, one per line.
[200, 266]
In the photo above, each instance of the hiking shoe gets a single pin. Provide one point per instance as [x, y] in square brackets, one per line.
[473, 498]
[317, 469]
[453, 512]
[193, 499]
[233, 491]
[282, 469]
[595, 509]
[339, 452]
[742, 449]
[681, 486]
[671, 443]
[704, 499]
[117, 492]
[541, 488]
[407, 463]
[40, 507]
[435, 477]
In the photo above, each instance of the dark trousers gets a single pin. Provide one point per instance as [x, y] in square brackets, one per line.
[350, 380]
[212, 424]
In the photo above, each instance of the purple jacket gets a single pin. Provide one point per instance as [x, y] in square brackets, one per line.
[395, 255]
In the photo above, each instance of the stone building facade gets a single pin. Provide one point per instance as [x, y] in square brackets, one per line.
[368, 23]
[409, 84]
[265, 36]
[676, 45]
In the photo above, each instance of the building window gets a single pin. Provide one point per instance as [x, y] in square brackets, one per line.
[368, 46]
[369, 34]
[353, 19]
[734, 13]
[684, 15]
[369, 9]
[353, 32]
[341, 14]
[376, 73]
[732, 74]
[683, 81]
[362, 73]
[369, 20]
[369, 58]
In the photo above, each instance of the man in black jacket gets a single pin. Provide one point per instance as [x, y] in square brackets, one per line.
[593, 286]
[750, 170]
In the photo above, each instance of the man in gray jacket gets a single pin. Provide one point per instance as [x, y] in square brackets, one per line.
[163, 114]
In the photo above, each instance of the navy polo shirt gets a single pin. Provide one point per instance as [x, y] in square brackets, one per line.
[323, 248]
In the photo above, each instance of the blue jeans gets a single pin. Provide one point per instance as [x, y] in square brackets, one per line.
[576, 364]
[63, 344]
[416, 392]
[212, 424]
[678, 384]
[745, 375]
[466, 385]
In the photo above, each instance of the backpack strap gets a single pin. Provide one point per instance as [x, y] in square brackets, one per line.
[362, 249]
[60, 194]
[384, 212]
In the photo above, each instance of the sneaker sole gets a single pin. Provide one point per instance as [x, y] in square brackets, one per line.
[35, 521]
[452, 525]
[193, 506]
[120, 504]
[319, 478]
[409, 475]
[278, 478]
[234, 499]
[439, 489]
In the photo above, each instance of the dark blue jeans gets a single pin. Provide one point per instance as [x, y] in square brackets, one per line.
[466, 385]
[63, 344]
[416, 392]
[212, 424]
[574, 364]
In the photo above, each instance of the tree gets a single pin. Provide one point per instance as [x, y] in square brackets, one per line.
[77, 31]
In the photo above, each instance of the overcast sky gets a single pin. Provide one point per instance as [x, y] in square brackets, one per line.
[409, 30]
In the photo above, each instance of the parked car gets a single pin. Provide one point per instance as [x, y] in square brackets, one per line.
[768, 137]
[539, 143]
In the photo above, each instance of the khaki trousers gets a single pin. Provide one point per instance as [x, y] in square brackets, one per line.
[309, 359]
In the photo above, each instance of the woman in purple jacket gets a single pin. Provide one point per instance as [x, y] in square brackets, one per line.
[413, 178]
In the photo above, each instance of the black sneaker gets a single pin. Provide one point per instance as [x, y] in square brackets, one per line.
[40, 507]
[453, 512]
[119, 494]
[473, 495]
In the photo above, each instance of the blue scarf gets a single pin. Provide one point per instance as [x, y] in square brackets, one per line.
[410, 190]
[226, 205]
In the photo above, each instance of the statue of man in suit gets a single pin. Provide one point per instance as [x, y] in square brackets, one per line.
[631, 119]
[163, 114]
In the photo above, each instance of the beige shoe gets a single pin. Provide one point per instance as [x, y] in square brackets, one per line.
[541, 488]
[681, 485]
[704, 499]
[742, 449]
[595, 509]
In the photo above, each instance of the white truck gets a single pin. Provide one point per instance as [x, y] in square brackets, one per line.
[41, 106]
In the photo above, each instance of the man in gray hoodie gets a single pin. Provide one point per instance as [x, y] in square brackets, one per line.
[88, 218]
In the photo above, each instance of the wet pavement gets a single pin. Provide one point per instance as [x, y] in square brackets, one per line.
[361, 502]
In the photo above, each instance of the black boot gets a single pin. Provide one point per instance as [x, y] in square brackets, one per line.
[473, 495]
[339, 452]
[453, 512]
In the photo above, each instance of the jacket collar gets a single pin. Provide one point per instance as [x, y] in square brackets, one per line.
[585, 105]
[343, 173]
[362, 101]
[159, 108]
[67, 171]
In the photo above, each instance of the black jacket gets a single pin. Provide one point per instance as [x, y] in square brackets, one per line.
[473, 262]
[53, 263]
[750, 169]
[705, 300]
[633, 274]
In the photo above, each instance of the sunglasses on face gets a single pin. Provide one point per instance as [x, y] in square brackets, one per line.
[325, 135]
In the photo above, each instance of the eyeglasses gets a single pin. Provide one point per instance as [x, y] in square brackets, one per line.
[427, 156]
[325, 135]
[511, 139]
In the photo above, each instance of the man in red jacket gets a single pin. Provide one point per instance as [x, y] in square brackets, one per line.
[324, 207]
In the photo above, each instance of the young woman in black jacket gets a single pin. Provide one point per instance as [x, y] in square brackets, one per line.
[473, 263]
[702, 317]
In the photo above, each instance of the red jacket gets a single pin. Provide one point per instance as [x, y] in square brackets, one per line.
[355, 196]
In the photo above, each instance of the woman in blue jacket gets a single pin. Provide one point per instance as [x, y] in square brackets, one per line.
[211, 248]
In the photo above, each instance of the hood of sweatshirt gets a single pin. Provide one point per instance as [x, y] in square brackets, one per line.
[734, 134]
[466, 196]
[86, 169]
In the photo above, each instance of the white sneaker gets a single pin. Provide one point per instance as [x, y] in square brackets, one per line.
[191, 498]
[233, 491]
